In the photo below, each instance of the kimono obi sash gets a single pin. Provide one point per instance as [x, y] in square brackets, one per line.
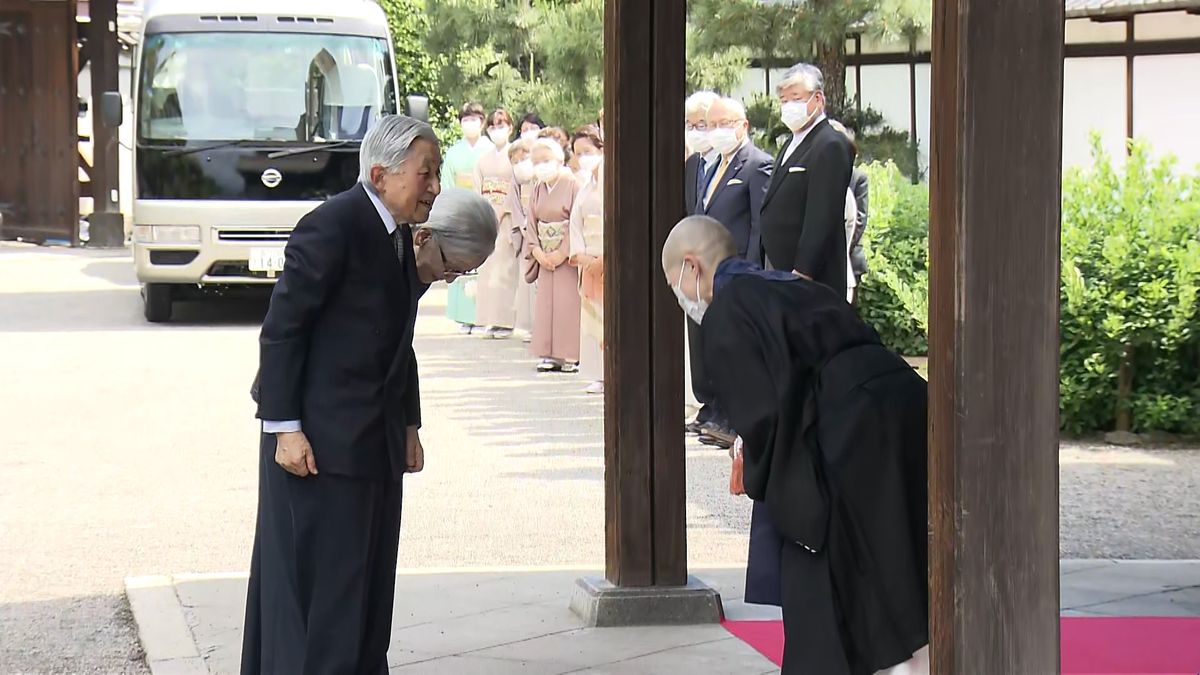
[464, 180]
[593, 234]
[495, 190]
[551, 235]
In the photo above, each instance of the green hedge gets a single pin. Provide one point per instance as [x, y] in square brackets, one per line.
[1130, 326]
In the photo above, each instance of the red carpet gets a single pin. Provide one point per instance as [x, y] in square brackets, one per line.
[1090, 645]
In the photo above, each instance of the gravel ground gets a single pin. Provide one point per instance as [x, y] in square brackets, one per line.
[129, 449]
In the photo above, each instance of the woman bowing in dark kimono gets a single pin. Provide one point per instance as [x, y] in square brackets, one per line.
[834, 431]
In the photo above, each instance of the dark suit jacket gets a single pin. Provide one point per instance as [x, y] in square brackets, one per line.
[803, 214]
[737, 201]
[858, 257]
[690, 166]
[336, 345]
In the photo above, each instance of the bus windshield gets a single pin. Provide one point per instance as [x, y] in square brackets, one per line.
[284, 87]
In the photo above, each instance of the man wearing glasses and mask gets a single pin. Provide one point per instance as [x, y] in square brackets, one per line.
[338, 395]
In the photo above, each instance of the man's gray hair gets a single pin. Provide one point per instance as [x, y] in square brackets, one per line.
[388, 142]
[464, 224]
[738, 108]
[807, 75]
[699, 102]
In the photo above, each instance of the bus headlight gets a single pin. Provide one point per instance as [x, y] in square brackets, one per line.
[167, 234]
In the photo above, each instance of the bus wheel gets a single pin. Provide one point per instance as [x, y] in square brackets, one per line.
[157, 300]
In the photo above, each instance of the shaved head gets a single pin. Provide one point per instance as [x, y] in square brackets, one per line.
[700, 237]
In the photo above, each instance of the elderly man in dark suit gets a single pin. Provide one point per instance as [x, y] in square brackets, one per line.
[734, 197]
[338, 395]
[803, 215]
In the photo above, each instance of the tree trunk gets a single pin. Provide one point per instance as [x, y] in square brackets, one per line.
[831, 59]
[1125, 390]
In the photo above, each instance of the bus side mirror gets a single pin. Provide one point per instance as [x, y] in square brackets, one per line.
[418, 108]
[111, 109]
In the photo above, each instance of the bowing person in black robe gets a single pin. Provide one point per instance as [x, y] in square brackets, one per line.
[338, 395]
[834, 427]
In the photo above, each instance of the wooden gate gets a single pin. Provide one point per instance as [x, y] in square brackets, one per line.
[39, 182]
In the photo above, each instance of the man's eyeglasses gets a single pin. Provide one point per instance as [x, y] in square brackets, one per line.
[695, 127]
[448, 274]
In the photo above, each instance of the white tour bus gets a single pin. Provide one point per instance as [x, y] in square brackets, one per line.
[249, 114]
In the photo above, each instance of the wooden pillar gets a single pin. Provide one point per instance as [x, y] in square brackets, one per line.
[645, 522]
[993, 354]
[107, 224]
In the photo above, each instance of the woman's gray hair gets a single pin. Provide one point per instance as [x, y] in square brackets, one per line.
[699, 102]
[388, 142]
[804, 74]
[464, 224]
[551, 145]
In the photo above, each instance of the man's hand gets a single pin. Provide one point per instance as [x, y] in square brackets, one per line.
[294, 454]
[416, 451]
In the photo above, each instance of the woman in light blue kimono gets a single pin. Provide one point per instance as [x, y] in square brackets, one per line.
[458, 170]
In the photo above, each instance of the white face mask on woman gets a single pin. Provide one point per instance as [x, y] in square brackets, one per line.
[499, 135]
[588, 163]
[530, 135]
[694, 309]
[546, 171]
[472, 127]
[523, 171]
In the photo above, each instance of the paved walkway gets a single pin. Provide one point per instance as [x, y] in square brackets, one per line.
[501, 622]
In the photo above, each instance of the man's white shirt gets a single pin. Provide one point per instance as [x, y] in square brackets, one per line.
[798, 138]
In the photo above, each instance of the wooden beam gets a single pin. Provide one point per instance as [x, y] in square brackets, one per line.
[993, 354]
[107, 228]
[643, 427]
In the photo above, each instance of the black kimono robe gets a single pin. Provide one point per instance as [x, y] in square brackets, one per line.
[834, 426]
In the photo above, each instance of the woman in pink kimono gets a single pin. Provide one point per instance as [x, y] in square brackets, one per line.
[556, 318]
[587, 254]
[519, 193]
[496, 294]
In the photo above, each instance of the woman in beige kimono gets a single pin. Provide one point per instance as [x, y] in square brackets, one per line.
[556, 319]
[496, 294]
[519, 193]
[587, 254]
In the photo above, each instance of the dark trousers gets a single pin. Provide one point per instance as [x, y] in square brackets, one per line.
[701, 387]
[323, 573]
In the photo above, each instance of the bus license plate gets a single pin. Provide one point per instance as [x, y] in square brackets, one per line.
[266, 260]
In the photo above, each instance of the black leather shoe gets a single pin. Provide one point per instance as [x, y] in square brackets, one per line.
[718, 437]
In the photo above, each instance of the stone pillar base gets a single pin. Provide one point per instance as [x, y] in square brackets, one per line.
[601, 604]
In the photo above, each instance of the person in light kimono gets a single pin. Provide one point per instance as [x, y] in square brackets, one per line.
[587, 253]
[458, 170]
[496, 298]
[556, 318]
[519, 193]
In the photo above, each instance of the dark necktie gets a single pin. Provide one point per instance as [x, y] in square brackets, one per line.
[398, 242]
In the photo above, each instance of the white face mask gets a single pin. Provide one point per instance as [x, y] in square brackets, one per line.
[588, 163]
[694, 309]
[724, 141]
[795, 114]
[531, 135]
[499, 135]
[472, 127]
[699, 141]
[523, 171]
[546, 171]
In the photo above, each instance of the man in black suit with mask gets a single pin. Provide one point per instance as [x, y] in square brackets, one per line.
[338, 397]
[803, 214]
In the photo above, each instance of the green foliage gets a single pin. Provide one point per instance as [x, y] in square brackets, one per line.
[416, 70]
[1131, 273]
[1130, 284]
[522, 55]
[893, 297]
